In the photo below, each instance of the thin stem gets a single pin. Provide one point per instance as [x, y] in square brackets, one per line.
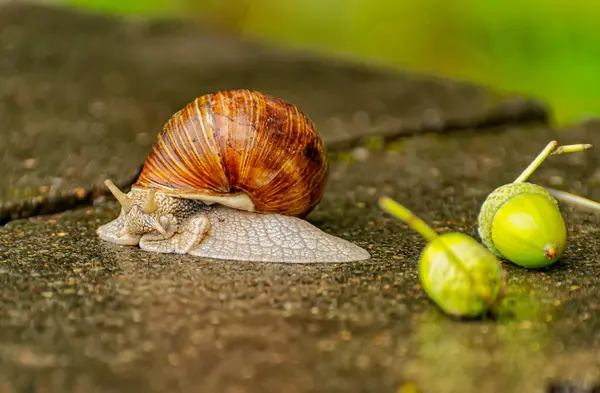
[571, 148]
[574, 199]
[402, 213]
[551, 149]
[537, 162]
[418, 225]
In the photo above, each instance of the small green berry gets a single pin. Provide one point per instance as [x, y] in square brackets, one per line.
[459, 274]
[466, 291]
[521, 222]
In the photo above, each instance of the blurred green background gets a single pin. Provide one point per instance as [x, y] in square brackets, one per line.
[546, 48]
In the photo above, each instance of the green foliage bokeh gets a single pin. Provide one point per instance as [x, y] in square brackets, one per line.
[549, 49]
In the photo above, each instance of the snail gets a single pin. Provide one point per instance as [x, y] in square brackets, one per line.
[521, 222]
[232, 175]
[458, 273]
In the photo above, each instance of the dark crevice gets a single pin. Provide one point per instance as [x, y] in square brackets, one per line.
[528, 113]
[59, 202]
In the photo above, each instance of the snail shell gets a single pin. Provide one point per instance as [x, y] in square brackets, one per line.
[243, 149]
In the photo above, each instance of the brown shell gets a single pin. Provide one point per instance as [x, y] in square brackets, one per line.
[240, 141]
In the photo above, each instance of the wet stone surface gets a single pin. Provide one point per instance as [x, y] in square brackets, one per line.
[82, 98]
[80, 315]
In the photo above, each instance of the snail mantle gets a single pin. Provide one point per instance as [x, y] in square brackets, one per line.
[231, 176]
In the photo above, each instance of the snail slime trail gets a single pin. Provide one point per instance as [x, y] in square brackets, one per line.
[521, 222]
[231, 176]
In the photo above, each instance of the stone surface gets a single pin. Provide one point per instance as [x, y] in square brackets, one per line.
[80, 315]
[82, 98]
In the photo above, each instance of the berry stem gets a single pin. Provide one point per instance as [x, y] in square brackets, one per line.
[551, 149]
[402, 213]
[571, 148]
[537, 162]
[418, 225]
[574, 199]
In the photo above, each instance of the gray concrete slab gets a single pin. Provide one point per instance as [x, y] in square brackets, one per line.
[80, 315]
[83, 96]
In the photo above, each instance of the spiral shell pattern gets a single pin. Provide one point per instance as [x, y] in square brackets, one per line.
[240, 141]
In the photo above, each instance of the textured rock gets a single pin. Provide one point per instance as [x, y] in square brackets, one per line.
[80, 315]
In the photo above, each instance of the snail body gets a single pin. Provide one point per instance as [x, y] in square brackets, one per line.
[521, 222]
[232, 175]
[459, 274]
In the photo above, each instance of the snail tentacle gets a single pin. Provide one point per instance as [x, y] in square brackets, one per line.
[123, 199]
[150, 205]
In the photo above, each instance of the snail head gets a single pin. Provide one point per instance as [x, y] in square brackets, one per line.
[141, 212]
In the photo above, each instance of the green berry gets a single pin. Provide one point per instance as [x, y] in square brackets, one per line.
[459, 274]
[521, 222]
[468, 290]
